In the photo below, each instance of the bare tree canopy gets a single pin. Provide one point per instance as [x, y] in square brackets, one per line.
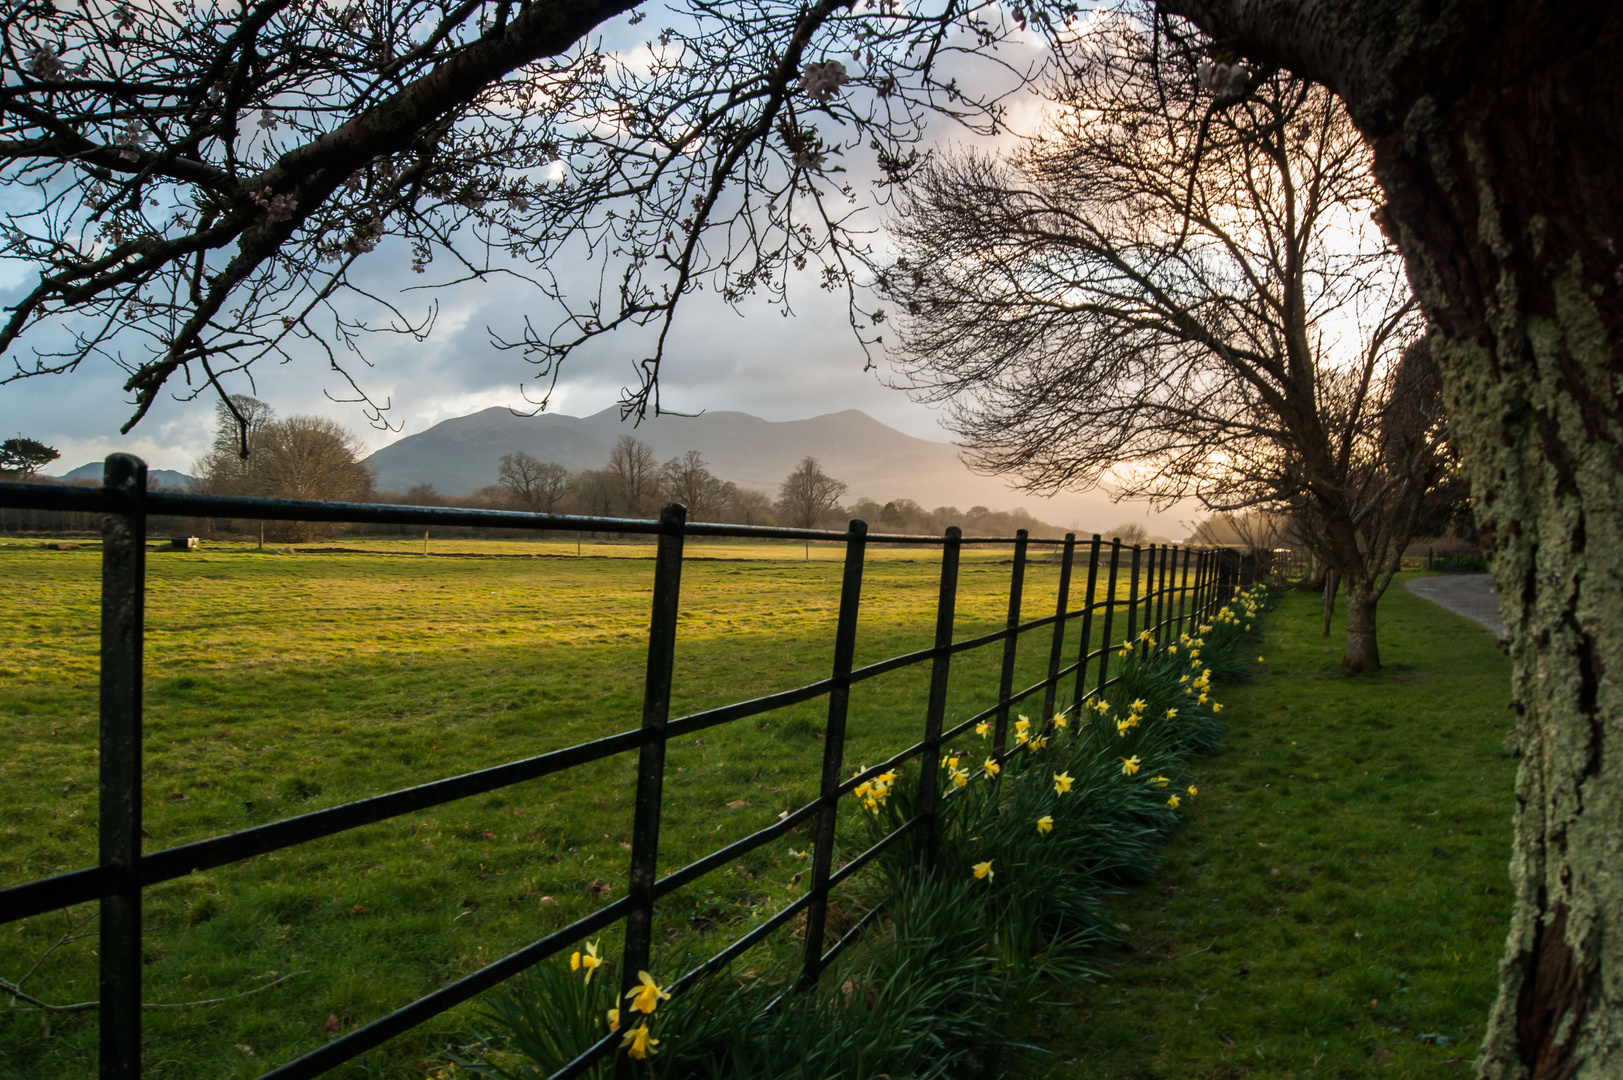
[1177, 300]
[633, 471]
[539, 486]
[807, 494]
[689, 481]
[203, 179]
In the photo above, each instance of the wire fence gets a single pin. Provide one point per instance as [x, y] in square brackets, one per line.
[1167, 590]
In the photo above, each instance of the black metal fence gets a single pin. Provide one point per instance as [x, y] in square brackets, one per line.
[1167, 590]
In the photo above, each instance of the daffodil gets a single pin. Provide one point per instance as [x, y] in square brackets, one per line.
[646, 998]
[1138, 705]
[590, 961]
[960, 777]
[1123, 725]
[1021, 723]
[614, 1018]
[1173, 649]
[1184, 679]
[1171, 713]
[1039, 742]
[1145, 635]
[1045, 824]
[639, 1043]
[1020, 737]
[1260, 660]
[1062, 783]
[1217, 706]
[1102, 706]
[1060, 721]
[1159, 781]
[982, 728]
[1172, 801]
[1193, 791]
[950, 764]
[1129, 766]
[992, 767]
[983, 871]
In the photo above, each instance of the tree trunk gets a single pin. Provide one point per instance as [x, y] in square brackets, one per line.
[1498, 137]
[1363, 654]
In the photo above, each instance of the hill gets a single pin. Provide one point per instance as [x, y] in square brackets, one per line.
[461, 455]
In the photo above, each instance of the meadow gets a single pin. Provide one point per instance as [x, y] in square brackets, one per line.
[1334, 907]
[278, 683]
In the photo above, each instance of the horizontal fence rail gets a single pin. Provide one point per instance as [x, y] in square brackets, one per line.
[1170, 591]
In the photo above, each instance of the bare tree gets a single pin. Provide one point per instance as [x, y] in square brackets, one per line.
[1132, 534]
[635, 473]
[807, 494]
[1176, 300]
[300, 457]
[751, 507]
[539, 486]
[227, 166]
[688, 481]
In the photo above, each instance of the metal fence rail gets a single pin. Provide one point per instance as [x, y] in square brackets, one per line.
[1164, 597]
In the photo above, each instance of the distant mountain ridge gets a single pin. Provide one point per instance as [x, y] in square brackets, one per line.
[166, 478]
[461, 455]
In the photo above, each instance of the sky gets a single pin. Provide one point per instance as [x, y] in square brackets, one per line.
[757, 361]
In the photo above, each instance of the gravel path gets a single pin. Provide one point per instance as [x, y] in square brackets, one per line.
[1470, 595]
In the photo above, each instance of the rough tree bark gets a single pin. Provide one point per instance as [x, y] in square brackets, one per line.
[1498, 137]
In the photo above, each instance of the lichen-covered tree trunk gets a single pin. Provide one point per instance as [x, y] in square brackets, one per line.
[1498, 136]
[1363, 653]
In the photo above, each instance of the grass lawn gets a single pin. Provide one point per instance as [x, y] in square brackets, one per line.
[278, 684]
[1336, 906]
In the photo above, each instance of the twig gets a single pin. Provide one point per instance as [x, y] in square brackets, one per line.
[87, 1006]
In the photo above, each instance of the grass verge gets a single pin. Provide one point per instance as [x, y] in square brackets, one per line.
[1336, 909]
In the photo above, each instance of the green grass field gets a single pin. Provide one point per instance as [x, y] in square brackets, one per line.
[277, 684]
[1336, 907]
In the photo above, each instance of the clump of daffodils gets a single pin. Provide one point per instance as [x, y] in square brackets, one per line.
[873, 793]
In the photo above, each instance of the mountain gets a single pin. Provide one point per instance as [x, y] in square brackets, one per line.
[461, 455]
[165, 478]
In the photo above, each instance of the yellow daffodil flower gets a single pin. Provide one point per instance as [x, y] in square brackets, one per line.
[1145, 635]
[1021, 723]
[1039, 742]
[960, 777]
[983, 871]
[1045, 824]
[1193, 791]
[982, 728]
[639, 1043]
[950, 764]
[1138, 705]
[1060, 721]
[1159, 781]
[1122, 726]
[1184, 679]
[1062, 783]
[992, 768]
[1260, 660]
[590, 961]
[614, 1018]
[862, 790]
[1217, 706]
[1173, 649]
[646, 998]
[885, 778]
[1171, 713]
[1172, 801]
[1020, 737]
[1102, 706]
[1129, 766]
[1202, 698]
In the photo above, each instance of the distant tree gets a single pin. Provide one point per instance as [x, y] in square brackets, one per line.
[807, 494]
[636, 476]
[751, 507]
[424, 495]
[300, 457]
[593, 492]
[1130, 534]
[903, 515]
[25, 457]
[539, 486]
[688, 481]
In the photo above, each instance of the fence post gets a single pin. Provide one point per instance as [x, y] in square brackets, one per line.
[1197, 610]
[656, 707]
[1161, 604]
[1182, 590]
[1132, 598]
[1087, 631]
[839, 697]
[1110, 614]
[1005, 686]
[123, 604]
[1061, 605]
[936, 710]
